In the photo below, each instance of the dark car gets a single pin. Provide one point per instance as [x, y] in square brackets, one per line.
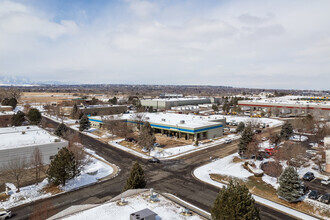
[130, 139]
[153, 160]
[314, 195]
[325, 198]
[308, 176]
[257, 131]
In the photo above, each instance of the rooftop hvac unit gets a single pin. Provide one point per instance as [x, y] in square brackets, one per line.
[57, 140]
[163, 119]
[153, 197]
[23, 132]
[147, 118]
[182, 122]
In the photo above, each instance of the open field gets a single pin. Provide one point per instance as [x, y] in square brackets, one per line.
[44, 97]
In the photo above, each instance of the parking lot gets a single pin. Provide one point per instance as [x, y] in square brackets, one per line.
[315, 184]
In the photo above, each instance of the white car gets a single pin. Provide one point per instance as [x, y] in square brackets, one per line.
[4, 214]
[227, 141]
[326, 181]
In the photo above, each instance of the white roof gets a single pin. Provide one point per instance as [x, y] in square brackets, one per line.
[172, 119]
[177, 99]
[165, 209]
[13, 137]
[97, 106]
[7, 113]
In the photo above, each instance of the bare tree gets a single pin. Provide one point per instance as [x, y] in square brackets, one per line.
[139, 118]
[15, 169]
[111, 124]
[253, 147]
[76, 147]
[37, 163]
[292, 153]
[124, 129]
[253, 122]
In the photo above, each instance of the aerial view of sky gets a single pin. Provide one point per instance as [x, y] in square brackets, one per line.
[241, 43]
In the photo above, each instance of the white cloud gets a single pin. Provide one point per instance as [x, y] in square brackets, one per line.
[237, 44]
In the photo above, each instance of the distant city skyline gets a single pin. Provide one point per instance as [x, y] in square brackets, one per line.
[240, 43]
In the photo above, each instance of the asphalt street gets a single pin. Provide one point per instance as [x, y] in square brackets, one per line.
[172, 176]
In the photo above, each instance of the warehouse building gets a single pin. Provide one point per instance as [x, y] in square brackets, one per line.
[96, 109]
[166, 104]
[189, 127]
[287, 107]
[20, 142]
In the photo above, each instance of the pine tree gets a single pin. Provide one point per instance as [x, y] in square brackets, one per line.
[290, 188]
[34, 116]
[61, 130]
[246, 138]
[113, 100]
[136, 179]
[76, 112]
[62, 168]
[240, 127]
[18, 119]
[12, 102]
[84, 123]
[287, 130]
[234, 202]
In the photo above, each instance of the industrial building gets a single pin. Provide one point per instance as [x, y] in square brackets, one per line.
[135, 204]
[287, 107]
[167, 103]
[96, 109]
[20, 142]
[189, 127]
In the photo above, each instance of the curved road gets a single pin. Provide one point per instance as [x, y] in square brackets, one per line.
[172, 176]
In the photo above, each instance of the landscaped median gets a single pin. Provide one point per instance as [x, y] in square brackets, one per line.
[221, 171]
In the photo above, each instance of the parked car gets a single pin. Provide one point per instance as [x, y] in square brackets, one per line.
[264, 139]
[4, 214]
[130, 139]
[156, 145]
[309, 176]
[258, 157]
[271, 151]
[228, 141]
[325, 181]
[257, 131]
[314, 195]
[305, 189]
[325, 198]
[154, 160]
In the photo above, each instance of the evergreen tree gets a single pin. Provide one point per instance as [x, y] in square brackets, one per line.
[5, 101]
[76, 112]
[34, 116]
[62, 168]
[113, 100]
[240, 127]
[234, 202]
[246, 138]
[18, 119]
[12, 102]
[290, 188]
[287, 131]
[61, 130]
[136, 179]
[84, 123]
[146, 137]
[215, 108]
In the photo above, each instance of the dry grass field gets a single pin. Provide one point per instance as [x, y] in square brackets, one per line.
[44, 97]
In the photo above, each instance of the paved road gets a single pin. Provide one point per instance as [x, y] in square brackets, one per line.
[169, 176]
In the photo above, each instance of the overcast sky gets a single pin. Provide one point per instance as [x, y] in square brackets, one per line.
[241, 43]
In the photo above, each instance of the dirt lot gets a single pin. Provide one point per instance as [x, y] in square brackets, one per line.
[44, 97]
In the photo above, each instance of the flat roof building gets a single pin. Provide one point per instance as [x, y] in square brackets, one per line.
[167, 103]
[171, 124]
[20, 142]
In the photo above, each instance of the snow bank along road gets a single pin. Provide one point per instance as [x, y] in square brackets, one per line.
[169, 177]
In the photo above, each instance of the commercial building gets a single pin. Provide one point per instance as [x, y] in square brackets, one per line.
[96, 109]
[6, 118]
[167, 103]
[135, 204]
[287, 107]
[178, 125]
[20, 142]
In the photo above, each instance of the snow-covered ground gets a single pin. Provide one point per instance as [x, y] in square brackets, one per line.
[171, 153]
[226, 166]
[60, 119]
[220, 166]
[165, 210]
[88, 132]
[91, 173]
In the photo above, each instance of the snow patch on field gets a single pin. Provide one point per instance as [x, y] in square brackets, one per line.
[91, 173]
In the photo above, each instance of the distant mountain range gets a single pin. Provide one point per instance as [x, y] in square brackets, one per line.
[25, 81]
